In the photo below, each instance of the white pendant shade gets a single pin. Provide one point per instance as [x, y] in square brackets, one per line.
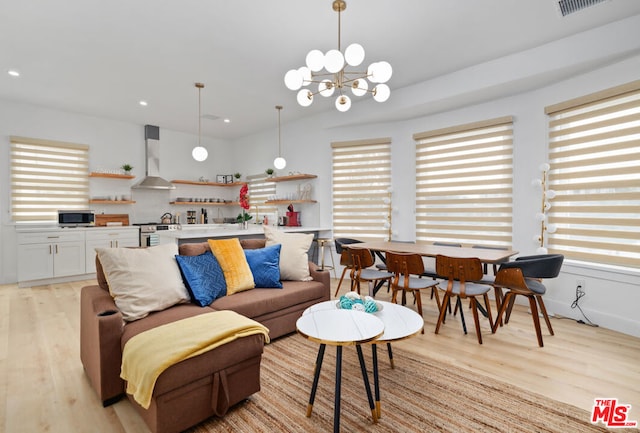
[359, 87]
[199, 153]
[333, 61]
[305, 73]
[343, 103]
[293, 79]
[381, 92]
[305, 97]
[354, 54]
[326, 88]
[315, 60]
[279, 163]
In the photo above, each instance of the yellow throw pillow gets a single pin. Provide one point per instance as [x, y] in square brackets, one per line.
[233, 262]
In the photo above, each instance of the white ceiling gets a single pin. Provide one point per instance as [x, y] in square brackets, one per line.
[101, 57]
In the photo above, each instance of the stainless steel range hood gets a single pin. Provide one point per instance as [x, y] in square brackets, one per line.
[152, 179]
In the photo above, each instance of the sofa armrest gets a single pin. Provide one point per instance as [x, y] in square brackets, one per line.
[101, 327]
[322, 276]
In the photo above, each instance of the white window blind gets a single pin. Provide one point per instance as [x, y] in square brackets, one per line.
[594, 153]
[260, 189]
[464, 177]
[361, 184]
[47, 176]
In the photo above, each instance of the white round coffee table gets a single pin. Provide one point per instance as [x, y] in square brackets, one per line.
[339, 328]
[399, 323]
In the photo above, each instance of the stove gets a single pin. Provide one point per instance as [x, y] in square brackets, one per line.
[148, 235]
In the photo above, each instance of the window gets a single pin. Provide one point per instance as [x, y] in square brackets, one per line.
[464, 183]
[361, 187]
[259, 191]
[47, 176]
[594, 153]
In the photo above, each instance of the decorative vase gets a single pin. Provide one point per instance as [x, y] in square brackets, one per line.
[245, 225]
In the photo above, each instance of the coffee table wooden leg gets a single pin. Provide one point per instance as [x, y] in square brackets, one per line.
[365, 378]
[336, 406]
[316, 376]
[376, 379]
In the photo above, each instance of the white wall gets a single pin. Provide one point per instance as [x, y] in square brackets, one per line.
[579, 65]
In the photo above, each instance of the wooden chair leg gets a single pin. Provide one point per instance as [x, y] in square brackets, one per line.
[487, 306]
[544, 313]
[536, 319]
[512, 300]
[499, 299]
[416, 293]
[443, 310]
[344, 271]
[503, 307]
[476, 319]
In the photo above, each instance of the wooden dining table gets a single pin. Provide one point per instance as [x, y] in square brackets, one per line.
[486, 255]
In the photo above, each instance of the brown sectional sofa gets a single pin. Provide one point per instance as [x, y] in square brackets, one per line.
[197, 388]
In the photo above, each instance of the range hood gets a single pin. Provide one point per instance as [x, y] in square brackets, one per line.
[152, 179]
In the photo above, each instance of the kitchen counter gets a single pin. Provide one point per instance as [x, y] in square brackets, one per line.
[202, 232]
[56, 228]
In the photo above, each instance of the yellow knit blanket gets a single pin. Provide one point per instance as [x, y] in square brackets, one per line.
[149, 353]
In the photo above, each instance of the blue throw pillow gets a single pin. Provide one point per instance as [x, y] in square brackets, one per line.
[265, 266]
[203, 277]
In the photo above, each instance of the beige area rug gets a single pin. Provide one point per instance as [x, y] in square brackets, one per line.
[416, 397]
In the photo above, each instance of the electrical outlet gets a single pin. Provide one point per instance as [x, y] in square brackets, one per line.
[581, 284]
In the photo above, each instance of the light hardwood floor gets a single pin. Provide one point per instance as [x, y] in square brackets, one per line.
[43, 387]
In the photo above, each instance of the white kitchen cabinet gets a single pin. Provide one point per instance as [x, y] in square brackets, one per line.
[50, 254]
[108, 238]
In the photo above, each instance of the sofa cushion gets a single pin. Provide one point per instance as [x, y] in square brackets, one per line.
[233, 262]
[143, 280]
[259, 302]
[265, 266]
[203, 277]
[294, 258]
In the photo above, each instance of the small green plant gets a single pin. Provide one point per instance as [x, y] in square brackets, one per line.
[269, 171]
[127, 168]
[237, 176]
[242, 217]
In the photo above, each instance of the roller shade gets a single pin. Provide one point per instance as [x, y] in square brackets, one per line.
[464, 177]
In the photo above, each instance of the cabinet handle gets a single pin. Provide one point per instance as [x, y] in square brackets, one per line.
[53, 237]
[56, 248]
[116, 243]
[50, 249]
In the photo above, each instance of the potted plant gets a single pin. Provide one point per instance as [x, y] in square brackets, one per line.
[269, 172]
[127, 168]
[237, 176]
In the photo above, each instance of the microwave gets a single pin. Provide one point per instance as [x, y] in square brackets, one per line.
[76, 218]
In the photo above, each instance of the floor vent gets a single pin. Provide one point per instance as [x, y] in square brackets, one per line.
[567, 7]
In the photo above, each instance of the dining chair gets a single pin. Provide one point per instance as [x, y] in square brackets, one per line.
[345, 259]
[490, 278]
[361, 271]
[406, 269]
[462, 276]
[524, 276]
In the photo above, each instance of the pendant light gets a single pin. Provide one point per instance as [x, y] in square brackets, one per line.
[279, 163]
[199, 153]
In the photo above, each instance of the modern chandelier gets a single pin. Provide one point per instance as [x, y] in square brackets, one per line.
[329, 72]
[199, 153]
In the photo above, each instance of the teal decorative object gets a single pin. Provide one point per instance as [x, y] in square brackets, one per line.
[370, 306]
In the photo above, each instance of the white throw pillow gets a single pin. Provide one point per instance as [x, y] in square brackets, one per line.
[143, 280]
[294, 258]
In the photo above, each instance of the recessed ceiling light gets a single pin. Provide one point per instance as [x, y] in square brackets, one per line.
[143, 103]
[227, 120]
[13, 73]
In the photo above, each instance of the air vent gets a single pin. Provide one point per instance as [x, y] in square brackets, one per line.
[567, 7]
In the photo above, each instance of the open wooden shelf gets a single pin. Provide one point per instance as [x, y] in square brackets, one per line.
[195, 182]
[202, 203]
[111, 201]
[291, 177]
[111, 175]
[289, 201]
